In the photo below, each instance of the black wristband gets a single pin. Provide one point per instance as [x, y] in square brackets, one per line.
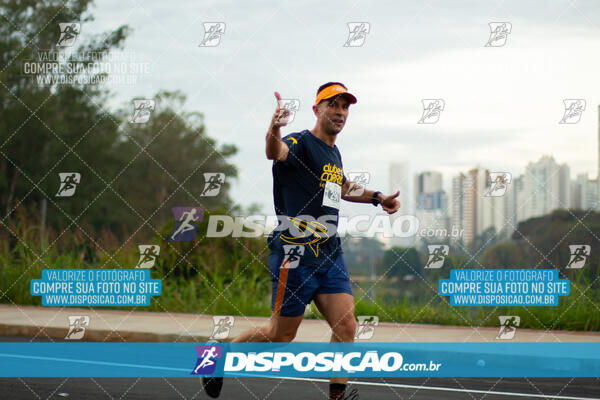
[375, 200]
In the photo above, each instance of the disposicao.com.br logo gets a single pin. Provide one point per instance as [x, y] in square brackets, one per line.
[296, 360]
[317, 362]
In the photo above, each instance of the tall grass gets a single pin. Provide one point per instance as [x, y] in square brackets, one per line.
[229, 277]
[580, 311]
[217, 276]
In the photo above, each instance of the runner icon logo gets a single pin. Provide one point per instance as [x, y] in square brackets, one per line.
[366, 327]
[212, 183]
[77, 325]
[212, 34]
[142, 110]
[360, 180]
[357, 33]
[432, 109]
[499, 184]
[68, 33]
[68, 183]
[221, 326]
[573, 110]
[499, 32]
[292, 254]
[185, 229]
[207, 359]
[148, 254]
[508, 326]
[579, 255]
[292, 106]
[437, 254]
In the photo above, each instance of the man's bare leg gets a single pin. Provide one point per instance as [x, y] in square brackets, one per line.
[280, 329]
[338, 310]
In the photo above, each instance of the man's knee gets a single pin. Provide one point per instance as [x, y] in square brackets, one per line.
[283, 330]
[346, 328]
[282, 336]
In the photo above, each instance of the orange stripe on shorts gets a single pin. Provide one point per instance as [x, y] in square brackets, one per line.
[283, 273]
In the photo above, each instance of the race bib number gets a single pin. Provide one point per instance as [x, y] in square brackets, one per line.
[332, 193]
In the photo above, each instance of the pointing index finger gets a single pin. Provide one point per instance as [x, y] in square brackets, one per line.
[278, 97]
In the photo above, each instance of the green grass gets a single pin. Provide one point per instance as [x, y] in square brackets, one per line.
[227, 277]
[573, 314]
[580, 311]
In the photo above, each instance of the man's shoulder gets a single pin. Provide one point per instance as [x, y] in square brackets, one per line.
[296, 144]
[295, 137]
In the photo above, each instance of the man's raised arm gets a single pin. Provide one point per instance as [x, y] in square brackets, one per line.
[276, 149]
[355, 193]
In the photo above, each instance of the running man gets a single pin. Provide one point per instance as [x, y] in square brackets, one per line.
[69, 33]
[294, 254]
[213, 183]
[79, 325]
[307, 168]
[148, 255]
[510, 325]
[142, 109]
[578, 256]
[208, 355]
[69, 183]
[366, 327]
[186, 222]
[436, 256]
[222, 326]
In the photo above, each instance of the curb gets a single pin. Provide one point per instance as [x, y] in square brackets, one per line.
[96, 335]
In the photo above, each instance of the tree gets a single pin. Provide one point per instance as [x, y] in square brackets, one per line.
[131, 174]
[40, 122]
[169, 155]
[363, 255]
[402, 261]
[502, 255]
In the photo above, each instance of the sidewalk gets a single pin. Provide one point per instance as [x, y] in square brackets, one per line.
[139, 326]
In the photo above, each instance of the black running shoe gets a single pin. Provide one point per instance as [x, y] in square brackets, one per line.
[353, 395]
[212, 386]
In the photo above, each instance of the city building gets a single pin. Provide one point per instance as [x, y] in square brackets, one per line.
[546, 187]
[467, 202]
[400, 179]
[584, 193]
[431, 204]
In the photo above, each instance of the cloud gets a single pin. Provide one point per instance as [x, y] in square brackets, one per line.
[502, 104]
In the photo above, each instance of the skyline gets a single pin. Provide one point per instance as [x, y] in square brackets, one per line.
[502, 104]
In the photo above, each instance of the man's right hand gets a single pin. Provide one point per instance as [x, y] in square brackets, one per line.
[276, 148]
[281, 116]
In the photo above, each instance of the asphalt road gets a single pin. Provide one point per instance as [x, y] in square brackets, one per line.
[254, 388]
[301, 389]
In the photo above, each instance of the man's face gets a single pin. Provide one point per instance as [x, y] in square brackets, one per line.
[332, 114]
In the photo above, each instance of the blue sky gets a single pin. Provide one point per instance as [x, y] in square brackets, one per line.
[502, 104]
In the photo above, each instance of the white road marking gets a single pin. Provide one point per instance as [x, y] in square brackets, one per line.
[72, 360]
[363, 383]
[444, 389]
